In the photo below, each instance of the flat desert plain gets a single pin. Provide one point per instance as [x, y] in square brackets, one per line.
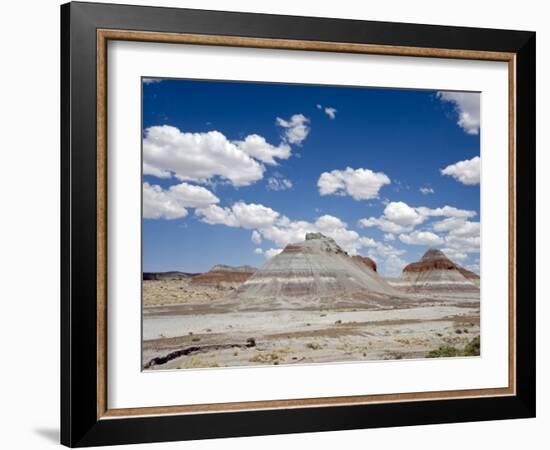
[199, 326]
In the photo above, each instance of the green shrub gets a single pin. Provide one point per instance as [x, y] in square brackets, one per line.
[446, 351]
[472, 348]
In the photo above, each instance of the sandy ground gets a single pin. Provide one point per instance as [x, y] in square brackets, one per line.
[170, 292]
[197, 327]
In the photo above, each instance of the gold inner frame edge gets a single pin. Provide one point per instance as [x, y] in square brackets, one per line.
[104, 35]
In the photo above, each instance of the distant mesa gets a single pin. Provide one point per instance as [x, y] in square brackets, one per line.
[166, 276]
[436, 272]
[315, 268]
[226, 268]
[318, 268]
[222, 274]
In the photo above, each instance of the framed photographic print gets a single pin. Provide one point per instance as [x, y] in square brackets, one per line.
[277, 224]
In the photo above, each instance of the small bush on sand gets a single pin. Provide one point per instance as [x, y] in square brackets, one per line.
[313, 345]
[265, 358]
[447, 351]
[472, 348]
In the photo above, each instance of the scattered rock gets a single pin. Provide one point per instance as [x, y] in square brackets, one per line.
[167, 276]
[313, 345]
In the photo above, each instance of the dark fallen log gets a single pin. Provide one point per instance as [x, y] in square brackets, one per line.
[160, 360]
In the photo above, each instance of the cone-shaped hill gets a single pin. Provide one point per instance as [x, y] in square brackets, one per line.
[315, 268]
[435, 271]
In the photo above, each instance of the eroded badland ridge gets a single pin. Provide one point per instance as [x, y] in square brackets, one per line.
[311, 303]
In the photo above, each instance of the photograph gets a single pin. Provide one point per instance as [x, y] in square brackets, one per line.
[306, 224]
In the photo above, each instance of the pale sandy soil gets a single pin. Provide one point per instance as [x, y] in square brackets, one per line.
[172, 292]
[196, 327]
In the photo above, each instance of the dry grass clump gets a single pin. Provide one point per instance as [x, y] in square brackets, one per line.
[265, 358]
[197, 362]
[171, 292]
[274, 357]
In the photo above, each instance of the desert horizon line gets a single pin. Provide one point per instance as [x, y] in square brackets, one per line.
[252, 268]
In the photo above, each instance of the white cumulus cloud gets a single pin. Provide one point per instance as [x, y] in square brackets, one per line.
[270, 253]
[256, 237]
[466, 105]
[426, 190]
[467, 229]
[470, 244]
[402, 214]
[252, 215]
[217, 215]
[257, 147]
[447, 211]
[398, 218]
[467, 171]
[286, 231]
[392, 266]
[296, 129]
[278, 183]
[331, 112]
[171, 203]
[328, 110]
[360, 184]
[454, 255]
[197, 157]
[463, 238]
[244, 215]
[421, 238]
[448, 224]
[387, 226]
[388, 259]
[401, 218]
[270, 225]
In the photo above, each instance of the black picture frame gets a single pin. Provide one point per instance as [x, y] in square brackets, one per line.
[80, 425]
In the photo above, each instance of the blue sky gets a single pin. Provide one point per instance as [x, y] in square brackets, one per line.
[233, 171]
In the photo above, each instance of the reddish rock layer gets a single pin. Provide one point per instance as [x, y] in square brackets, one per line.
[468, 273]
[217, 277]
[366, 261]
[435, 259]
[439, 264]
[436, 272]
[315, 270]
[292, 248]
